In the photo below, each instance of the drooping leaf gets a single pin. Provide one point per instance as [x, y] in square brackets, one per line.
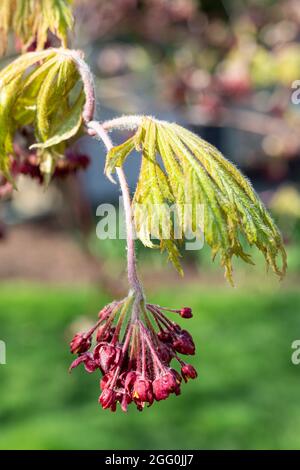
[180, 168]
[118, 154]
[116, 157]
[8, 97]
[22, 63]
[25, 108]
[68, 128]
[42, 90]
[153, 194]
[43, 103]
[47, 165]
[56, 16]
[67, 77]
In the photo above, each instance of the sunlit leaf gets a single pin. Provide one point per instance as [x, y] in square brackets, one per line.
[117, 155]
[193, 173]
[42, 90]
[8, 97]
[22, 63]
[43, 103]
[68, 128]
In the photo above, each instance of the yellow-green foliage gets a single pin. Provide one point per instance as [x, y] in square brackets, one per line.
[179, 169]
[32, 19]
[43, 90]
[194, 172]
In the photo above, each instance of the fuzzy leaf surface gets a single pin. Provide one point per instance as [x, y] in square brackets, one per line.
[179, 168]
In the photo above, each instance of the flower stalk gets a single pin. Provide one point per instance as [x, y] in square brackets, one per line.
[96, 129]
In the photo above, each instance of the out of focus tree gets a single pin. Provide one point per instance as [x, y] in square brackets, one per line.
[222, 63]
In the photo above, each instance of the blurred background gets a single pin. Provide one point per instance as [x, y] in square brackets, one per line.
[226, 70]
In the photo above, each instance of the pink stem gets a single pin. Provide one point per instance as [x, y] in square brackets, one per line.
[151, 348]
[133, 279]
[87, 80]
[94, 128]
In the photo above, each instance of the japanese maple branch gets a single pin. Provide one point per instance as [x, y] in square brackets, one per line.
[95, 129]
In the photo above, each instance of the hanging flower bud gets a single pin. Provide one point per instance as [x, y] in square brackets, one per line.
[142, 390]
[104, 333]
[165, 384]
[108, 399]
[107, 356]
[165, 336]
[184, 344]
[80, 344]
[186, 312]
[188, 372]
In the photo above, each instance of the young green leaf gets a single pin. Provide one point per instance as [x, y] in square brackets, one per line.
[69, 127]
[42, 90]
[56, 16]
[118, 154]
[194, 174]
[8, 97]
[116, 157]
[22, 63]
[43, 103]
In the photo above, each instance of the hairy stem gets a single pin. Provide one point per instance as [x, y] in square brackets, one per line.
[95, 128]
[123, 123]
[87, 80]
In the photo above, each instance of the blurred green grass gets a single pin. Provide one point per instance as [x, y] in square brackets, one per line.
[246, 396]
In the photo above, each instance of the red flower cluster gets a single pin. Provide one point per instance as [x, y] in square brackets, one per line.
[28, 164]
[134, 356]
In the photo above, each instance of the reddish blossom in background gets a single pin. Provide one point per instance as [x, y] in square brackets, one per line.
[6, 188]
[52, 41]
[134, 356]
[28, 163]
